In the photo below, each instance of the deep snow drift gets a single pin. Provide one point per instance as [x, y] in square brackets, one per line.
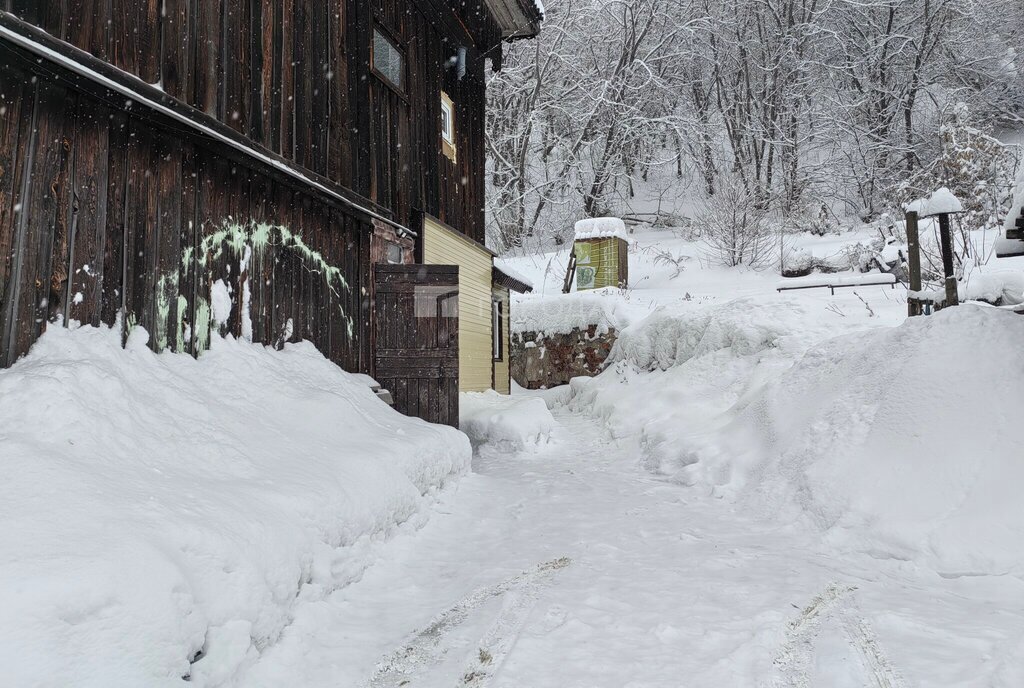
[904, 442]
[156, 509]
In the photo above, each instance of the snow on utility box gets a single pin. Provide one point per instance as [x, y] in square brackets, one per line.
[601, 253]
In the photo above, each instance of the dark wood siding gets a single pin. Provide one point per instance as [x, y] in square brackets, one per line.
[104, 214]
[293, 76]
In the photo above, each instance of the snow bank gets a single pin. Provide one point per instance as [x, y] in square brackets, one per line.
[508, 422]
[673, 376]
[157, 509]
[669, 337]
[601, 228]
[906, 442]
[563, 313]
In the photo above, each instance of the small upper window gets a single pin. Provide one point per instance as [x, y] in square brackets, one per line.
[447, 126]
[395, 254]
[387, 60]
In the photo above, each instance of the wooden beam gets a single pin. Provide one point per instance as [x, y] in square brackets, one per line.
[914, 264]
[946, 237]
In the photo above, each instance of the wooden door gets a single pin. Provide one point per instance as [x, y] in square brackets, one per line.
[417, 339]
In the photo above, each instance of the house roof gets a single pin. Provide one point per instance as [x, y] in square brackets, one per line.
[504, 276]
[517, 18]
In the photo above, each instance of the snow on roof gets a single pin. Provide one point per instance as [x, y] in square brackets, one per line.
[503, 266]
[942, 201]
[540, 8]
[601, 228]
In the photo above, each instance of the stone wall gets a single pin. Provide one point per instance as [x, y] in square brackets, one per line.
[547, 360]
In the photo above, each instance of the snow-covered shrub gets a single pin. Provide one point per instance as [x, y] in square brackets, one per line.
[735, 227]
[798, 263]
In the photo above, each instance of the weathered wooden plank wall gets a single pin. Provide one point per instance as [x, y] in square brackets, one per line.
[293, 76]
[103, 214]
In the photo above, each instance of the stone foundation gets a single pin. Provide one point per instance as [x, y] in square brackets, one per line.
[547, 360]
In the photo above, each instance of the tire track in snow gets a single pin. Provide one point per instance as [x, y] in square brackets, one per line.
[426, 648]
[496, 644]
[795, 658]
[863, 639]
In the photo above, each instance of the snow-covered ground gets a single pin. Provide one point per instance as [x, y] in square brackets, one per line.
[762, 489]
[575, 567]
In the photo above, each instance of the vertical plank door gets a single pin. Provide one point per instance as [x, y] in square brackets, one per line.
[417, 339]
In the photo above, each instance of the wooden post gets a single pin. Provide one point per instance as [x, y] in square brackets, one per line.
[913, 264]
[570, 271]
[946, 237]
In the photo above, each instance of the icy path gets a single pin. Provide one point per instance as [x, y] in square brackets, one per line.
[575, 568]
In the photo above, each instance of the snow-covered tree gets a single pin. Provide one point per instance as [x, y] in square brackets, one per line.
[806, 103]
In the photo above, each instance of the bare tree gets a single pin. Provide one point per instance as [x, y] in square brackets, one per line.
[805, 103]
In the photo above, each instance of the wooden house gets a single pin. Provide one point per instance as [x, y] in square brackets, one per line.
[299, 160]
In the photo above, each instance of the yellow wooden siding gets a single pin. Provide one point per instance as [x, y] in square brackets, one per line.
[501, 372]
[441, 246]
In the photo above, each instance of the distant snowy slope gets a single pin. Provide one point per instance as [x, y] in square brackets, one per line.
[157, 509]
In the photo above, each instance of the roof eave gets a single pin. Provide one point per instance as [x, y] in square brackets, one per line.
[502, 279]
[517, 19]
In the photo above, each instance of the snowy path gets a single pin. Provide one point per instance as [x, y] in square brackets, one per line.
[574, 567]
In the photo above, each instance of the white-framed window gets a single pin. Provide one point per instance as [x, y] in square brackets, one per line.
[447, 126]
[387, 60]
[497, 330]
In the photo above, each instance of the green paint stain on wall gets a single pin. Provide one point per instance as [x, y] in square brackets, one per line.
[251, 244]
[201, 330]
[179, 330]
[166, 290]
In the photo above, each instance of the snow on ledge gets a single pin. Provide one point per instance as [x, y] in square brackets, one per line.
[940, 202]
[601, 228]
[567, 312]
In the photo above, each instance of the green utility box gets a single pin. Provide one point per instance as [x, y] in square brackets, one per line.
[602, 254]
